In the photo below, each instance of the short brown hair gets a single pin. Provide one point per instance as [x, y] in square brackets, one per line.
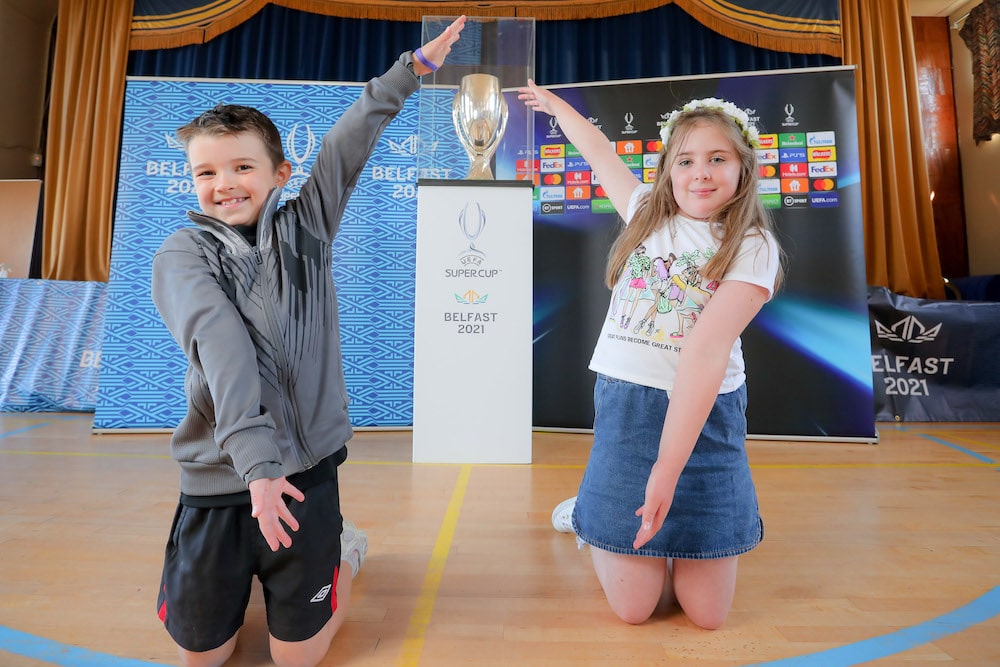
[225, 119]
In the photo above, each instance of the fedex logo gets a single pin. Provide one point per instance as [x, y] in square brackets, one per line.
[822, 169]
[768, 156]
[821, 138]
[552, 165]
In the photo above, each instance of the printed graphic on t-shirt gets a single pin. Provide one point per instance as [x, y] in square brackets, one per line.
[660, 298]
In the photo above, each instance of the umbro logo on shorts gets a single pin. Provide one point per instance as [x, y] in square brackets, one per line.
[321, 594]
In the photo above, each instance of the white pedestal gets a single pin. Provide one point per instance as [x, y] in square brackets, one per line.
[473, 323]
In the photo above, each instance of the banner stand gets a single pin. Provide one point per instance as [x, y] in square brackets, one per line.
[472, 362]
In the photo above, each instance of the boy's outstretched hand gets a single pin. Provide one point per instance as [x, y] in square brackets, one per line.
[438, 48]
[268, 506]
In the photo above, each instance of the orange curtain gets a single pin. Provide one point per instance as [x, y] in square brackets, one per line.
[85, 114]
[900, 244]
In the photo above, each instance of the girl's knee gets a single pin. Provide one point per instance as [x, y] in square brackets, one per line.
[630, 612]
[708, 619]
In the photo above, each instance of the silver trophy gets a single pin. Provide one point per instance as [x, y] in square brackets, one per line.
[480, 116]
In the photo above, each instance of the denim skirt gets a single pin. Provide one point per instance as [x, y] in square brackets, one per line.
[714, 513]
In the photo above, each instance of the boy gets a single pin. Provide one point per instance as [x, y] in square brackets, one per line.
[249, 297]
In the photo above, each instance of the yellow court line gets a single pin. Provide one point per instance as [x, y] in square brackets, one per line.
[416, 632]
[833, 466]
[114, 455]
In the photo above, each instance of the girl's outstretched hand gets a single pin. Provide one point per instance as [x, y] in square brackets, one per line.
[659, 496]
[537, 98]
[438, 48]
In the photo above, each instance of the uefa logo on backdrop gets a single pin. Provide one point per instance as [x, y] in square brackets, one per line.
[553, 132]
[629, 128]
[789, 118]
[299, 147]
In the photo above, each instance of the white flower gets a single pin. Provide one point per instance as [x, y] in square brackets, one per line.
[738, 115]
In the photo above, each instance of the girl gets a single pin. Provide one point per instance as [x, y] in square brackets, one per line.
[667, 503]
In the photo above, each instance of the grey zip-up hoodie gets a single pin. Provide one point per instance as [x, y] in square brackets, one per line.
[259, 326]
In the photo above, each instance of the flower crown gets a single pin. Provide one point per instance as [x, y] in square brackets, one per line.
[738, 115]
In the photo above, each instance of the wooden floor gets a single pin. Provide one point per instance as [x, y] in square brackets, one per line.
[884, 554]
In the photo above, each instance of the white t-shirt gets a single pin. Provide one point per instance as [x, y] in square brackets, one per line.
[661, 294]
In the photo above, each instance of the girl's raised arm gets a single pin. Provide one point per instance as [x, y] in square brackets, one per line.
[612, 173]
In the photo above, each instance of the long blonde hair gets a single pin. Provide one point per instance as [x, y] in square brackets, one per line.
[741, 216]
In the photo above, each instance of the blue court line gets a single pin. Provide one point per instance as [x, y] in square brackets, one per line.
[64, 655]
[969, 452]
[22, 430]
[979, 610]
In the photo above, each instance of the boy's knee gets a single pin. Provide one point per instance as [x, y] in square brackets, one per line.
[212, 658]
[306, 653]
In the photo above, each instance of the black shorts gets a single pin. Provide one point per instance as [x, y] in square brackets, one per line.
[213, 553]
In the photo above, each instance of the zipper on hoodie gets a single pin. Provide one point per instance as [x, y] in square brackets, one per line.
[304, 455]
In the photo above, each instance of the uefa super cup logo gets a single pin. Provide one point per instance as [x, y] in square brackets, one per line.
[472, 221]
[789, 118]
[299, 148]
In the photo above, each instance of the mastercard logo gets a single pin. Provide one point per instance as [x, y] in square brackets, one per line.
[600, 192]
[654, 146]
[552, 179]
[768, 171]
[823, 184]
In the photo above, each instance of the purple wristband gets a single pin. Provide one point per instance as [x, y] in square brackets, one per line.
[419, 55]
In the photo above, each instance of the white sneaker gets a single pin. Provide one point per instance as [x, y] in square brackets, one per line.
[353, 547]
[562, 515]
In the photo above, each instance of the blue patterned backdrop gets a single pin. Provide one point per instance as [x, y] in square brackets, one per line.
[142, 368]
[50, 344]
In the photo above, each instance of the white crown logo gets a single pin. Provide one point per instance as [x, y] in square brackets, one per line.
[907, 330]
[411, 146]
